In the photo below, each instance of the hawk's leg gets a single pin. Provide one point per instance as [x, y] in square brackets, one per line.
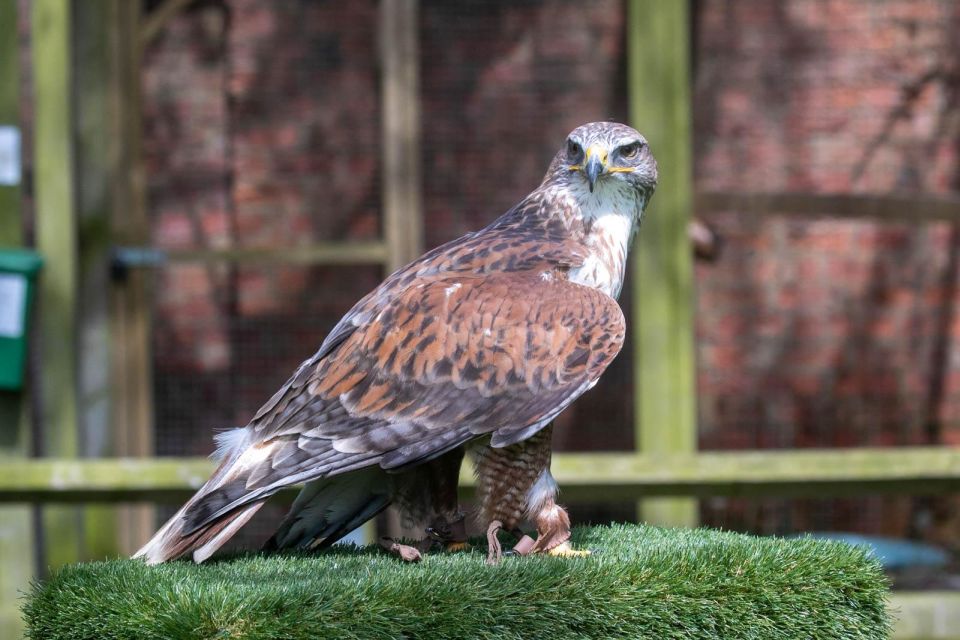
[449, 523]
[514, 483]
[450, 532]
[427, 494]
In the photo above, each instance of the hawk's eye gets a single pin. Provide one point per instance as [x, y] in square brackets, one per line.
[630, 151]
[574, 150]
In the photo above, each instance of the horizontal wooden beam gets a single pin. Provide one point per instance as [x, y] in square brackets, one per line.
[887, 208]
[330, 253]
[810, 472]
[598, 477]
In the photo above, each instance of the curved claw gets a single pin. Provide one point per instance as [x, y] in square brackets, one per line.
[494, 552]
[403, 551]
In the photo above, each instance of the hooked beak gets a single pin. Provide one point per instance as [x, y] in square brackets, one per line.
[594, 167]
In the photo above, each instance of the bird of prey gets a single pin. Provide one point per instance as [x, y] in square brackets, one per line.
[476, 346]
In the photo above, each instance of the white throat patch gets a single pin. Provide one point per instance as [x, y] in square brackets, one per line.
[612, 213]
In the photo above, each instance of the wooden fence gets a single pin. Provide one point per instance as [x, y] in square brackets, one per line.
[666, 465]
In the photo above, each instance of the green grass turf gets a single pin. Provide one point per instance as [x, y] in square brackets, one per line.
[641, 582]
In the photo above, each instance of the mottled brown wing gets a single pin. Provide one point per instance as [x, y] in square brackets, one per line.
[493, 251]
[446, 360]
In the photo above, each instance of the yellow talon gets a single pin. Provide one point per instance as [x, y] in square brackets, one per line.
[564, 550]
[453, 547]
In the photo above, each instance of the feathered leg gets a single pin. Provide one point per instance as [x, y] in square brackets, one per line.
[448, 526]
[427, 494]
[514, 484]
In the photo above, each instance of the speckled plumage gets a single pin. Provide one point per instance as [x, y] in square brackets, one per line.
[480, 342]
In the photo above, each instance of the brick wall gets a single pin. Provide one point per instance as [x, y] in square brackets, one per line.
[261, 131]
[828, 333]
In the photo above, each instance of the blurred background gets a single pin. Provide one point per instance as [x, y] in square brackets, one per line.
[211, 184]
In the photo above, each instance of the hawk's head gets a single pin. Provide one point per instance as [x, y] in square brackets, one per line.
[600, 152]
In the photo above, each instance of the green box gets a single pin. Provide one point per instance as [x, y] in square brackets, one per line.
[18, 271]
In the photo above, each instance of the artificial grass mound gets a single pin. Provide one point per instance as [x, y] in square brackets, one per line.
[641, 582]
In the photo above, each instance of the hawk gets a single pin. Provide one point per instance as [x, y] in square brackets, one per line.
[476, 346]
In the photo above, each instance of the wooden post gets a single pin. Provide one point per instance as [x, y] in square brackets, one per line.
[130, 316]
[400, 123]
[14, 427]
[94, 67]
[400, 109]
[16, 530]
[56, 234]
[659, 83]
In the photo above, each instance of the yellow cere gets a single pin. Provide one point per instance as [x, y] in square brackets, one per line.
[596, 150]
